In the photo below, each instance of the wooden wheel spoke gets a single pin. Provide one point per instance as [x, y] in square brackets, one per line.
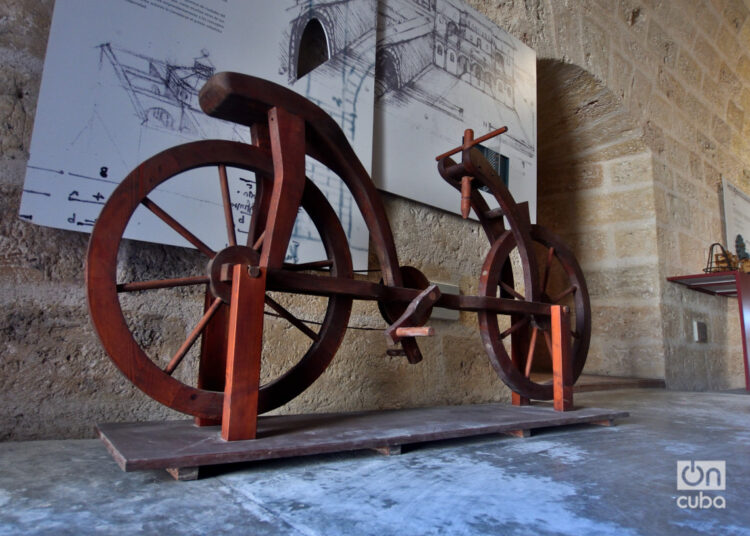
[227, 202]
[185, 348]
[152, 284]
[547, 267]
[315, 265]
[515, 327]
[259, 243]
[510, 290]
[174, 224]
[570, 290]
[548, 340]
[530, 354]
[289, 317]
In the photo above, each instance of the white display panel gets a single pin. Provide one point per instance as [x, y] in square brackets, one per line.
[443, 67]
[120, 84]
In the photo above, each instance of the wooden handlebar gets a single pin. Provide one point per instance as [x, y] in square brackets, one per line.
[472, 143]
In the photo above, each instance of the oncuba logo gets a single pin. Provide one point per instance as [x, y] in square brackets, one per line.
[700, 476]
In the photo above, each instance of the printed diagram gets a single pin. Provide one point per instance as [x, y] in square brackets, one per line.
[441, 68]
[433, 51]
[330, 45]
[164, 95]
[121, 84]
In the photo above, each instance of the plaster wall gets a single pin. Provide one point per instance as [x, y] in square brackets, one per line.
[646, 109]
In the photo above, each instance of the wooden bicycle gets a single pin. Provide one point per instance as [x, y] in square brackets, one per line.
[241, 278]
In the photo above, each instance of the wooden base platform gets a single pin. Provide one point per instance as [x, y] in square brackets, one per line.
[178, 445]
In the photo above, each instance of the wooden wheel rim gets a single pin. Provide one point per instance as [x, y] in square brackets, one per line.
[104, 305]
[490, 331]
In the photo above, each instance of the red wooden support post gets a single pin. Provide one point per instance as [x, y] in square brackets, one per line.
[244, 347]
[287, 132]
[562, 367]
[213, 361]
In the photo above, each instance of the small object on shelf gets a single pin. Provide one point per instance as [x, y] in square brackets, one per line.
[721, 261]
[743, 259]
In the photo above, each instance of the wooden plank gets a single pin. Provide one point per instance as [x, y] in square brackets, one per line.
[183, 473]
[388, 450]
[562, 368]
[244, 347]
[518, 433]
[213, 361]
[158, 445]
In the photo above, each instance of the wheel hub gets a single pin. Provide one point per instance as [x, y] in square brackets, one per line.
[220, 268]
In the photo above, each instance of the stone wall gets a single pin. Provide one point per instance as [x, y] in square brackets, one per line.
[642, 110]
[680, 73]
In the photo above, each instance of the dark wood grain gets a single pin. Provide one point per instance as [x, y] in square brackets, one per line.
[158, 445]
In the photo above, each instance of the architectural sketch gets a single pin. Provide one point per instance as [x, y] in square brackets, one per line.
[331, 43]
[442, 67]
[164, 95]
[121, 84]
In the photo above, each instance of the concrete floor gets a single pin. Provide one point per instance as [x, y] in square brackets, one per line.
[576, 480]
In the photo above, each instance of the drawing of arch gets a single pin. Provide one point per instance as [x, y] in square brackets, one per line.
[313, 49]
[387, 72]
[161, 116]
[452, 34]
[463, 65]
[313, 24]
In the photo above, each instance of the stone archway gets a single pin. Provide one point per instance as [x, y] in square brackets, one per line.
[595, 188]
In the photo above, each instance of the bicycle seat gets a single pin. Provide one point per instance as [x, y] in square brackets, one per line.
[245, 99]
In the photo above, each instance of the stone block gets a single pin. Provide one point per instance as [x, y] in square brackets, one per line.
[639, 94]
[591, 247]
[714, 94]
[735, 116]
[743, 68]
[568, 32]
[620, 76]
[24, 25]
[681, 22]
[696, 110]
[624, 282]
[707, 19]
[707, 147]
[637, 242]
[653, 136]
[688, 69]
[729, 80]
[660, 111]
[735, 14]
[632, 14]
[720, 131]
[663, 176]
[707, 55]
[571, 178]
[630, 171]
[671, 87]
[662, 44]
[596, 46]
[676, 153]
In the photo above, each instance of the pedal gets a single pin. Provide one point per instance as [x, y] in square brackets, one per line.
[395, 352]
[421, 331]
[409, 324]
